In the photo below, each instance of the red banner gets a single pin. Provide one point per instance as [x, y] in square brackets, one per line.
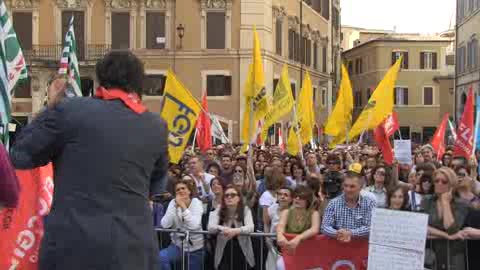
[438, 139]
[327, 253]
[22, 227]
[464, 143]
[382, 136]
[204, 136]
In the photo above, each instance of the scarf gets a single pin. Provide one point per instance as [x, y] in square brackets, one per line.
[131, 100]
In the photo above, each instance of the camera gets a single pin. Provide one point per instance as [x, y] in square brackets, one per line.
[332, 185]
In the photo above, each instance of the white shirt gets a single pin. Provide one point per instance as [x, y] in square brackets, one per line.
[267, 199]
[274, 214]
[201, 189]
[418, 201]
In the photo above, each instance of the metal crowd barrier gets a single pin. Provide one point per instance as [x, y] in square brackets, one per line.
[260, 241]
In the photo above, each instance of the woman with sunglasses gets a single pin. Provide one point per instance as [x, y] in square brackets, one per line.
[300, 219]
[447, 215]
[379, 183]
[183, 213]
[465, 187]
[233, 251]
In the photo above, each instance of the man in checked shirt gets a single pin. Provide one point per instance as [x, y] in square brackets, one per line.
[349, 215]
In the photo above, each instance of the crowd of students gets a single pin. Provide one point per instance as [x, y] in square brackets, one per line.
[332, 192]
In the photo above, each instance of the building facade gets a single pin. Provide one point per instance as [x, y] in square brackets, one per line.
[424, 88]
[467, 63]
[208, 44]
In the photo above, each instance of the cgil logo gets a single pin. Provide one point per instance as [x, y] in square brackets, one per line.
[26, 240]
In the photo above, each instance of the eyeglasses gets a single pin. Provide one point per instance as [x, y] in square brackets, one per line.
[230, 195]
[209, 154]
[461, 174]
[239, 171]
[438, 181]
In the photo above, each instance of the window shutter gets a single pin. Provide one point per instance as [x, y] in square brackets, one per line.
[216, 30]
[405, 60]
[405, 96]
[228, 85]
[434, 60]
[290, 44]
[422, 60]
[279, 37]
[120, 31]
[395, 95]
[394, 57]
[23, 28]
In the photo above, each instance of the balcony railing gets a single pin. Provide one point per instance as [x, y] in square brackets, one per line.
[92, 52]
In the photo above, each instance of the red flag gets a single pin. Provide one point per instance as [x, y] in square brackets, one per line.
[204, 134]
[22, 228]
[464, 143]
[335, 255]
[438, 139]
[281, 144]
[391, 124]
[382, 137]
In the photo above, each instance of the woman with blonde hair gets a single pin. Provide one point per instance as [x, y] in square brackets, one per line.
[447, 214]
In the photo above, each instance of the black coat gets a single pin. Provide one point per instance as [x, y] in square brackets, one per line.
[107, 161]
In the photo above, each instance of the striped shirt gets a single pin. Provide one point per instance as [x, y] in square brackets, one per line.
[339, 216]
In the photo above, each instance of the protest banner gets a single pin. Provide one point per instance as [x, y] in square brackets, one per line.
[403, 151]
[397, 240]
[334, 254]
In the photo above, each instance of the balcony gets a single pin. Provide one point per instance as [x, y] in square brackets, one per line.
[48, 53]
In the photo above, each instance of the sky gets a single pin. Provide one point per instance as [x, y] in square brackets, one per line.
[408, 16]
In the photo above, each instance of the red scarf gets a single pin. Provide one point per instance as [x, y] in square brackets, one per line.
[131, 100]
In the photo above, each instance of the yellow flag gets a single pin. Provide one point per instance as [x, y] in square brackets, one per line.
[341, 118]
[180, 110]
[256, 98]
[282, 102]
[305, 114]
[293, 141]
[380, 104]
[302, 130]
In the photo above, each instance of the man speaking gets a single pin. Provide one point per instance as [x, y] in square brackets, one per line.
[109, 156]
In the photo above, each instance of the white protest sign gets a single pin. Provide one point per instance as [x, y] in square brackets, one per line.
[397, 240]
[403, 151]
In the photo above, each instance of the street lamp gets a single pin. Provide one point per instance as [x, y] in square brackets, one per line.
[180, 33]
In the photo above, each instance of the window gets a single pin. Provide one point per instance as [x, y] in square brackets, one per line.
[427, 96]
[428, 133]
[315, 55]
[317, 5]
[215, 30]
[23, 89]
[296, 46]
[291, 42]
[335, 18]
[324, 59]
[154, 84]
[326, 9]
[303, 51]
[396, 55]
[461, 55]
[155, 30]
[472, 54]
[308, 52]
[471, 5]
[428, 60]
[358, 66]
[404, 132]
[22, 21]
[120, 31]
[279, 37]
[350, 68]
[79, 25]
[314, 95]
[358, 99]
[324, 97]
[219, 85]
[369, 93]
[275, 83]
[292, 85]
[401, 96]
[461, 13]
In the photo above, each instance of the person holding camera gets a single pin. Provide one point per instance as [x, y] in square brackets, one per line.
[333, 178]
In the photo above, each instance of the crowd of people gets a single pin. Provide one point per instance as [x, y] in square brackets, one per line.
[330, 192]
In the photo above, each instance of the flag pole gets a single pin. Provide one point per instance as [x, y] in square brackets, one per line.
[194, 139]
[477, 115]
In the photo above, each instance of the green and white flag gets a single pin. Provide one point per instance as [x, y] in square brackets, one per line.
[13, 68]
[69, 61]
